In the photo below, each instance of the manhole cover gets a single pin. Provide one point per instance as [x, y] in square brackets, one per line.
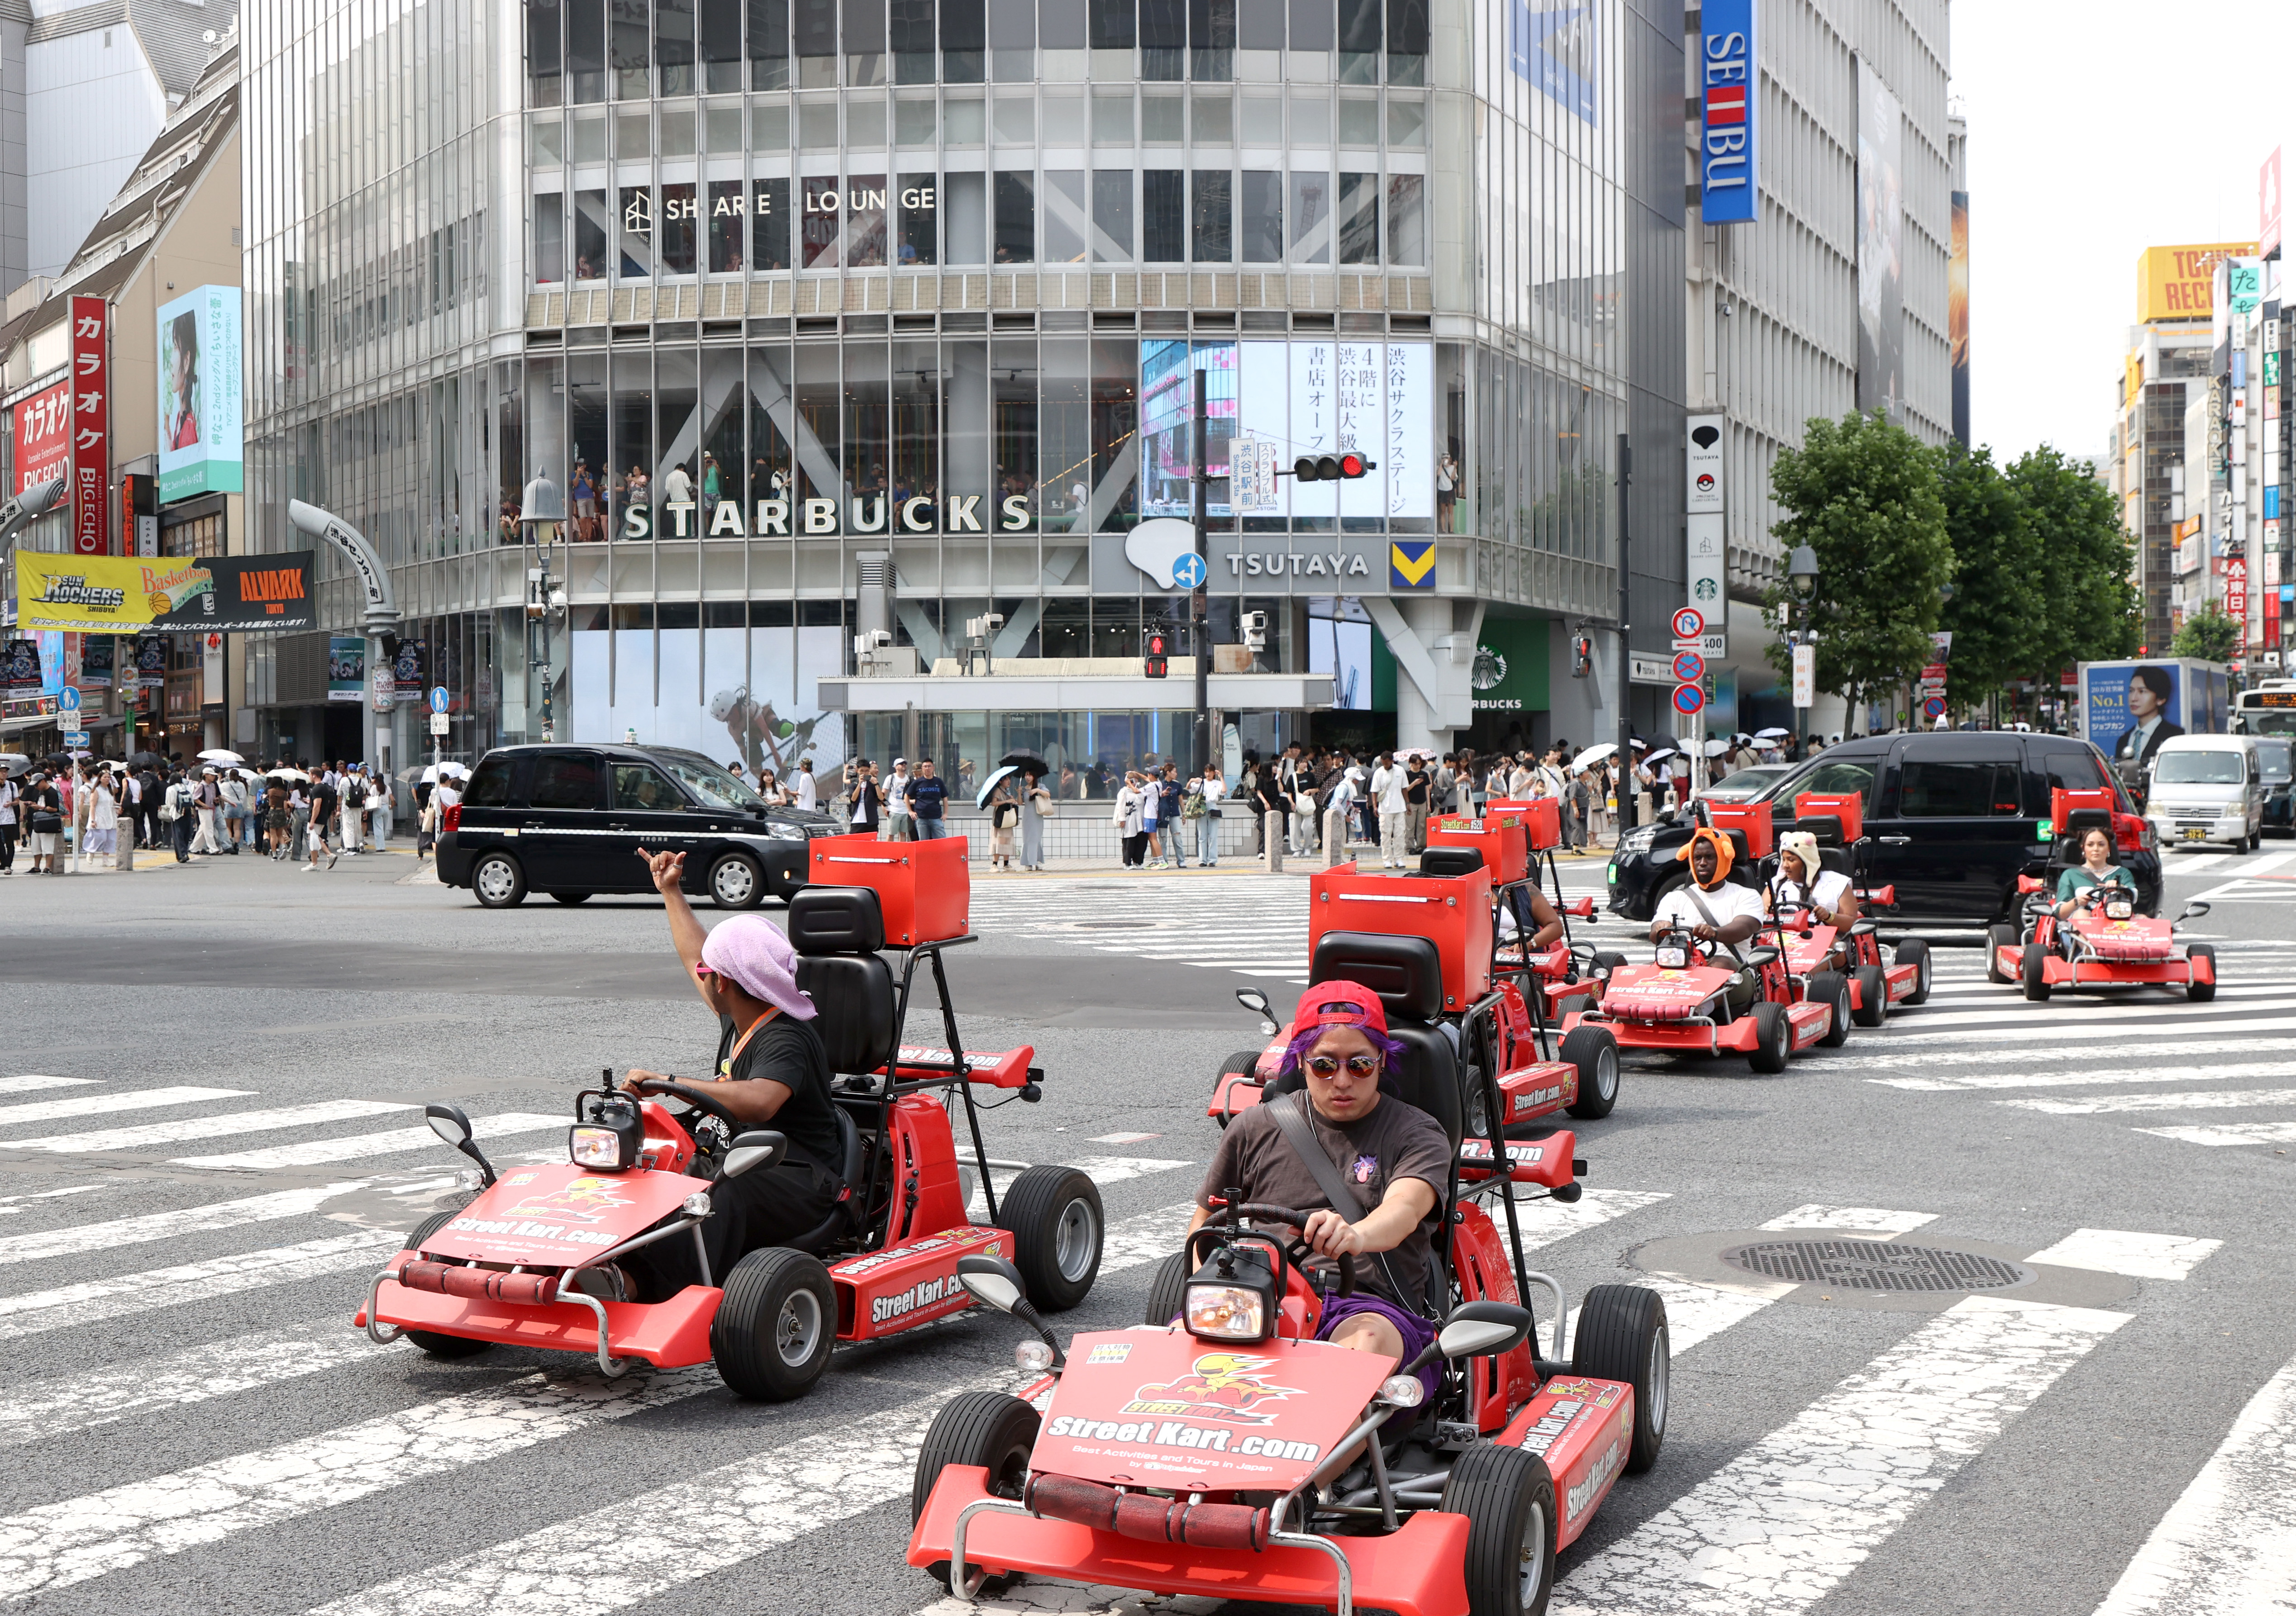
[1879, 1266]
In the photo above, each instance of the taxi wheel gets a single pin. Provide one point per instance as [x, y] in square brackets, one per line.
[1054, 1215]
[430, 1341]
[1622, 1336]
[774, 1325]
[1872, 997]
[497, 883]
[1773, 1038]
[735, 882]
[2200, 992]
[1508, 1499]
[1167, 1293]
[2033, 971]
[1595, 1052]
[1831, 988]
[985, 1428]
[1997, 940]
[1916, 953]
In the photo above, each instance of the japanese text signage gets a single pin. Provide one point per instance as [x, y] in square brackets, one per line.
[43, 426]
[91, 431]
[1728, 176]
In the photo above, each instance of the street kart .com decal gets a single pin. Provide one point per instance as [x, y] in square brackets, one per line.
[1109, 1352]
[1180, 1433]
[1225, 1386]
[922, 1294]
[1575, 1501]
[577, 1199]
[1548, 1428]
[866, 1265]
[527, 1229]
[1602, 1396]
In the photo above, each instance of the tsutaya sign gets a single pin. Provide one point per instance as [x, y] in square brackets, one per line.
[785, 518]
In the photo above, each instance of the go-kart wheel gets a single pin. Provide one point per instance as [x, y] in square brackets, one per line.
[774, 1325]
[429, 1341]
[1168, 1292]
[2033, 971]
[1595, 1052]
[735, 882]
[1622, 1336]
[1773, 1038]
[1609, 959]
[497, 881]
[1474, 1103]
[1916, 953]
[1241, 1061]
[1872, 997]
[1831, 988]
[1996, 938]
[983, 1428]
[570, 898]
[2196, 990]
[1055, 1218]
[1509, 1501]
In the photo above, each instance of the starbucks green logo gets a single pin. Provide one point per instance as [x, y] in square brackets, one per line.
[1490, 670]
[1706, 589]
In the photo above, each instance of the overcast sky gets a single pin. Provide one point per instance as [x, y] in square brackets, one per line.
[2095, 132]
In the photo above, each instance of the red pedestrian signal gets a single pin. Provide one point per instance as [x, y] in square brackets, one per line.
[1582, 656]
[1158, 663]
[1330, 468]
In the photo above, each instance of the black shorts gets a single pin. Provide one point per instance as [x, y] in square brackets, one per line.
[763, 1207]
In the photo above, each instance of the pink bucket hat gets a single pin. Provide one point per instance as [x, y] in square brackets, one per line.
[749, 951]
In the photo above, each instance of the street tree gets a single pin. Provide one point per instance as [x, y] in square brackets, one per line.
[2208, 636]
[2089, 608]
[1996, 606]
[1863, 494]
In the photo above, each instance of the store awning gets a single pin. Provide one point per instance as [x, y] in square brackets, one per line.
[1074, 692]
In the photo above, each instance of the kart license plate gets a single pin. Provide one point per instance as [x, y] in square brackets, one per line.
[2196, 834]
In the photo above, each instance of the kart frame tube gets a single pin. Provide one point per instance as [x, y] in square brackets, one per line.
[893, 1089]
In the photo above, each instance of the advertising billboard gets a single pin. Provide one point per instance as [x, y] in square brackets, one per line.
[1956, 314]
[346, 668]
[2267, 206]
[2127, 709]
[206, 594]
[1729, 168]
[2172, 282]
[91, 426]
[1881, 244]
[43, 431]
[198, 394]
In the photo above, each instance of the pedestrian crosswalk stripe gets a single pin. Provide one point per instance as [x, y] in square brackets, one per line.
[2102, 1074]
[1103, 1170]
[2230, 1133]
[32, 1082]
[2144, 1004]
[209, 1128]
[169, 1225]
[1861, 1059]
[1780, 1526]
[316, 1151]
[2228, 1543]
[89, 1105]
[1851, 1219]
[17, 1204]
[187, 1285]
[2104, 1104]
[2129, 1251]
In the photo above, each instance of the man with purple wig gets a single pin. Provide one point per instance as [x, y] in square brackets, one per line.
[1392, 1156]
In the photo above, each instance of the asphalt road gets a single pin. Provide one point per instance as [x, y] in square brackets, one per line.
[200, 1077]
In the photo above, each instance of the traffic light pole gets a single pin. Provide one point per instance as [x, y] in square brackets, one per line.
[1199, 622]
[1626, 754]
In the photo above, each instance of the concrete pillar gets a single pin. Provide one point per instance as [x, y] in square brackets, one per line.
[1274, 857]
[1335, 838]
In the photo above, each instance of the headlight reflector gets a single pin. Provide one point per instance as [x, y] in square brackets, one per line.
[593, 1145]
[1228, 1313]
[1403, 1391]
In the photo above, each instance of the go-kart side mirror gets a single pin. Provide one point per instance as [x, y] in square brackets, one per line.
[2194, 910]
[759, 1147]
[1255, 1001]
[1761, 957]
[992, 1282]
[1483, 1329]
[449, 1123]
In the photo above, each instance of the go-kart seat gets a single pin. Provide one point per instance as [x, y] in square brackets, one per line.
[837, 932]
[1408, 975]
[2078, 824]
[1450, 861]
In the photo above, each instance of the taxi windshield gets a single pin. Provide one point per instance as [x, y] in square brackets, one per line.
[712, 784]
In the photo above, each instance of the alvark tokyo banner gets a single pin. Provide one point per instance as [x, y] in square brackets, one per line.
[209, 593]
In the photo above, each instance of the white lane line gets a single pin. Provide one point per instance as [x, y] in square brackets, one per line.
[209, 1128]
[2090, 1007]
[2222, 1099]
[2129, 1251]
[2228, 1543]
[2074, 1050]
[2175, 1017]
[169, 1226]
[89, 1105]
[12, 1204]
[1124, 1138]
[2192, 865]
[1851, 1219]
[2250, 870]
[34, 1081]
[186, 1284]
[1781, 1525]
[2100, 1075]
[39, 1410]
[75, 1540]
[2230, 1133]
[1101, 1170]
[314, 1152]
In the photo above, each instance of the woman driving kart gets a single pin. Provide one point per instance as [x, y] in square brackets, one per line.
[1712, 908]
[2095, 869]
[1392, 1156]
[1545, 924]
[771, 1072]
[1802, 882]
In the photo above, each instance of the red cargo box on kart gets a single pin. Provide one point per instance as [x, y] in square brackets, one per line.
[1751, 818]
[1542, 818]
[923, 887]
[1453, 911]
[1500, 837]
[1847, 807]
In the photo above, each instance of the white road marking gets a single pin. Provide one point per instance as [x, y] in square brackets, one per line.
[74, 1540]
[1781, 1525]
[2250, 869]
[2127, 1251]
[2230, 1133]
[2077, 1017]
[2208, 1100]
[33, 1081]
[2228, 1543]
[2136, 1005]
[37, 1410]
[2008, 999]
[2192, 864]
[13, 1204]
[169, 1226]
[70, 1307]
[1851, 1219]
[163, 1134]
[2073, 1050]
[314, 1152]
[2102, 1074]
[1101, 1170]
[89, 1105]
[1124, 1138]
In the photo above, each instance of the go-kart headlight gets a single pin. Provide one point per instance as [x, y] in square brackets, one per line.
[603, 1146]
[1673, 956]
[2120, 909]
[1228, 1313]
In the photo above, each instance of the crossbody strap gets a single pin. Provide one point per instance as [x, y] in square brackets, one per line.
[1699, 904]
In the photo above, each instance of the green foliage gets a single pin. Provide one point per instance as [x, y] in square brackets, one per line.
[1864, 494]
[1998, 607]
[2090, 608]
[2208, 636]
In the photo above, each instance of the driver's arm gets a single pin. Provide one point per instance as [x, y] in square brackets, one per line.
[1403, 1209]
[685, 932]
[1736, 930]
[749, 1100]
[1550, 923]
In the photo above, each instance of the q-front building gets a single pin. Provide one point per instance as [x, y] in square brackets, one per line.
[733, 332]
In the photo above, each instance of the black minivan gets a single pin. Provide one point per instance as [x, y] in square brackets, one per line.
[569, 820]
[1954, 816]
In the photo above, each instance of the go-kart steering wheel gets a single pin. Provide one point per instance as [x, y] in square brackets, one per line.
[697, 1098]
[1296, 1251]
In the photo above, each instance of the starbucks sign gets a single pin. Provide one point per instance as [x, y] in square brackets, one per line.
[1509, 673]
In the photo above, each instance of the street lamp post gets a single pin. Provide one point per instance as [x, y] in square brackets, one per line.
[542, 513]
[1801, 578]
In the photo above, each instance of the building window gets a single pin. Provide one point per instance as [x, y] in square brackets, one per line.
[1359, 218]
[1016, 217]
[1164, 217]
[1260, 216]
[1211, 231]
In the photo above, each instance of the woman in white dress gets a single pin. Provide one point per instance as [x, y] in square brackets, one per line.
[1035, 808]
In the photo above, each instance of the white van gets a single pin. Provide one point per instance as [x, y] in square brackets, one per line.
[2207, 788]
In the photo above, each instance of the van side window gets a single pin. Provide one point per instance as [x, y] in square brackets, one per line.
[1960, 789]
[565, 780]
[489, 783]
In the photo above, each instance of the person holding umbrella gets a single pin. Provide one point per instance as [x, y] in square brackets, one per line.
[1003, 806]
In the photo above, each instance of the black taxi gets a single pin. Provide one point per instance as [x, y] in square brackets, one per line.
[570, 820]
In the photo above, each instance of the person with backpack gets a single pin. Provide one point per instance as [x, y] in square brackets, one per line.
[353, 795]
[326, 802]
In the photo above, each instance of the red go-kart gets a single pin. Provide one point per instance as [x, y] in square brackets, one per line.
[524, 1263]
[2105, 943]
[1679, 1004]
[1876, 985]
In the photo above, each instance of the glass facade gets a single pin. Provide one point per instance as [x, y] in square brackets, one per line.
[762, 284]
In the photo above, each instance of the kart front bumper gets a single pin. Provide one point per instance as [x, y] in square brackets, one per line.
[668, 1335]
[1415, 1571]
[2058, 972]
[1806, 1023]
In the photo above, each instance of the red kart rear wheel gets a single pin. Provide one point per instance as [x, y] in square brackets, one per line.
[1508, 1498]
[1831, 989]
[1773, 1039]
[1621, 1335]
[2196, 990]
[1872, 997]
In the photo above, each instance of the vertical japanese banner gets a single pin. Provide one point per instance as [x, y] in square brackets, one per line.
[1409, 463]
[91, 434]
[1315, 420]
[1363, 425]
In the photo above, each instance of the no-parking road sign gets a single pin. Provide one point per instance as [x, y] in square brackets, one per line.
[1689, 667]
[1688, 699]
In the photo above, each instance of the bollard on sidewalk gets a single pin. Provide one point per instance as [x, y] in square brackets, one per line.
[1335, 838]
[1275, 837]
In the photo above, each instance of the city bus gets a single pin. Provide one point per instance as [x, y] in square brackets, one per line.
[2266, 709]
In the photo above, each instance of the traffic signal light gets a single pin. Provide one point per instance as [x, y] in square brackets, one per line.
[1330, 468]
[1582, 655]
[1158, 663]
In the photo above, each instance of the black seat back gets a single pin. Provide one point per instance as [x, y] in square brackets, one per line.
[2078, 824]
[837, 932]
[1826, 828]
[1406, 971]
[1450, 861]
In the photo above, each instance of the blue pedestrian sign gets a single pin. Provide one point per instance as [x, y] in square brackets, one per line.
[437, 698]
[67, 700]
[1188, 571]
